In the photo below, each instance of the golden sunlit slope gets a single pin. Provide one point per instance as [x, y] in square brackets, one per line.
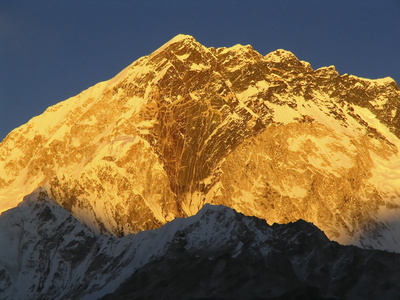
[189, 125]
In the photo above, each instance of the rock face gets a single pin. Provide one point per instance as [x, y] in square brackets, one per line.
[216, 254]
[188, 125]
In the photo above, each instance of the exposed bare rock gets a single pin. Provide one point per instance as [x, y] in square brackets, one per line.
[189, 125]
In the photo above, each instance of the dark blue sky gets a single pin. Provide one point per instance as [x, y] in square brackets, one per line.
[52, 50]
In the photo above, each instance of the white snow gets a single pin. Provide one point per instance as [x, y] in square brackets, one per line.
[379, 102]
[384, 81]
[278, 55]
[327, 150]
[283, 113]
[250, 91]
[326, 154]
[198, 67]
[372, 121]
[183, 57]
[386, 174]
[179, 38]
[10, 197]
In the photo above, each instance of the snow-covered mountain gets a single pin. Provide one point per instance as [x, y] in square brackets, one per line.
[47, 253]
[188, 125]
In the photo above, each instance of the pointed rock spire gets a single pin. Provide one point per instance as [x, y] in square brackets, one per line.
[286, 60]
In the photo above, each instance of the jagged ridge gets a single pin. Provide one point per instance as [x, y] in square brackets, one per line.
[188, 125]
[216, 253]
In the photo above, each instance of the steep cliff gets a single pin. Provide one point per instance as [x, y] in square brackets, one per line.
[188, 125]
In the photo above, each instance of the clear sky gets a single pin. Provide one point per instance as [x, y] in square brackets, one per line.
[52, 50]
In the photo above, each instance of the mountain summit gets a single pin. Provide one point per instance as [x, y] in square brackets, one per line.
[188, 125]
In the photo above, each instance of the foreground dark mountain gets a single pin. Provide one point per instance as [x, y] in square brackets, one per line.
[188, 125]
[216, 254]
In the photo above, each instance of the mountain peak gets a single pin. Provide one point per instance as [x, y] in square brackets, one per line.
[387, 81]
[280, 55]
[286, 60]
[188, 125]
[180, 39]
[184, 53]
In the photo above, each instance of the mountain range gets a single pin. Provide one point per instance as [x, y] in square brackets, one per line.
[215, 254]
[196, 131]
